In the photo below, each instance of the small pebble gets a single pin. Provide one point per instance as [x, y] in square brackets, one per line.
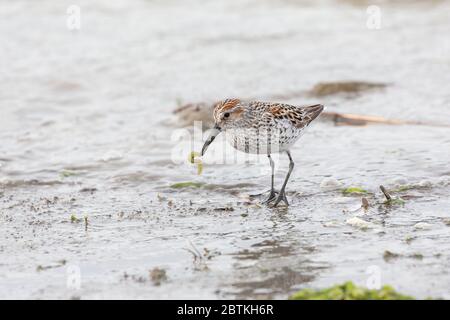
[423, 226]
[328, 184]
[358, 223]
[425, 184]
[111, 155]
[331, 224]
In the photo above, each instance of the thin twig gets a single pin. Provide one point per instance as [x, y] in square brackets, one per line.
[361, 120]
[195, 249]
[386, 194]
[364, 203]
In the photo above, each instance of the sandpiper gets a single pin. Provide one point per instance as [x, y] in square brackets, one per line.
[262, 128]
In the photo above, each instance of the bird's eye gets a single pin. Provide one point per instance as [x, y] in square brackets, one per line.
[226, 115]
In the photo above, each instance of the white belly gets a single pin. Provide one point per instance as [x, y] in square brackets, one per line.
[263, 141]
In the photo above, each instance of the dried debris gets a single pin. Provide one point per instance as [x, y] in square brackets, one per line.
[202, 112]
[323, 89]
[388, 256]
[157, 276]
[390, 200]
[58, 264]
[364, 203]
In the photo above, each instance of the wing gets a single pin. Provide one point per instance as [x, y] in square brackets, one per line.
[299, 117]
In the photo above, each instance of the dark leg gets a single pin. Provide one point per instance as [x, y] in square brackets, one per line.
[282, 194]
[273, 193]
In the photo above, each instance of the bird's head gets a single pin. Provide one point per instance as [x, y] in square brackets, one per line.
[227, 114]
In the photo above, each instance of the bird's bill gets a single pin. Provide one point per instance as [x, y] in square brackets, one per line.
[213, 134]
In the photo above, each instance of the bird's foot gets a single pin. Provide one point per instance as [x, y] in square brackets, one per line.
[272, 197]
[281, 197]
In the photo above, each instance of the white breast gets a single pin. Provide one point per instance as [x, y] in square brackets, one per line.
[262, 140]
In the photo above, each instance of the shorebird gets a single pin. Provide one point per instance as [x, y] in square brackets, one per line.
[262, 128]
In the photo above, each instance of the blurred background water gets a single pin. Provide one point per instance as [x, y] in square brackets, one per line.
[86, 129]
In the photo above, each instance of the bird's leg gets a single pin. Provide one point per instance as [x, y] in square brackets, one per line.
[273, 193]
[282, 194]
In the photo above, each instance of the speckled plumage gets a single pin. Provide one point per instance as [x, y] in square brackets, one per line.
[263, 127]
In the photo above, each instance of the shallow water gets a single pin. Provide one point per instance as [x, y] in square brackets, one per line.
[87, 130]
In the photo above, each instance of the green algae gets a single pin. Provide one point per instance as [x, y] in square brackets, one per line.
[188, 184]
[354, 190]
[193, 158]
[67, 173]
[74, 219]
[395, 202]
[349, 291]
[403, 188]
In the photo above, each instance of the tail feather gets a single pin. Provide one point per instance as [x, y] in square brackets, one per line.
[312, 112]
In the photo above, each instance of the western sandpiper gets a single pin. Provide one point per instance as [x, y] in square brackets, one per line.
[263, 128]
